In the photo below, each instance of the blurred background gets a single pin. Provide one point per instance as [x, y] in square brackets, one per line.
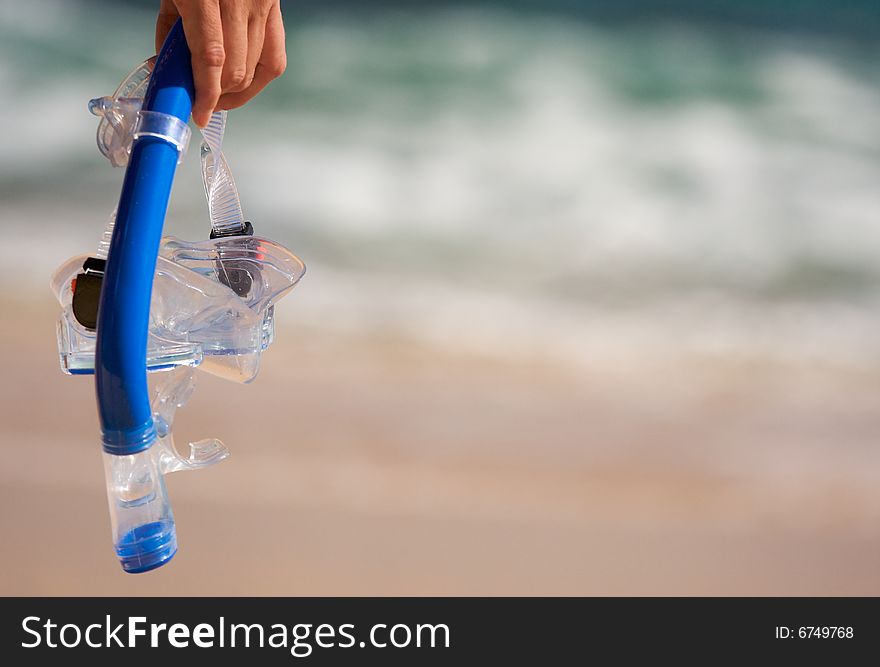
[591, 306]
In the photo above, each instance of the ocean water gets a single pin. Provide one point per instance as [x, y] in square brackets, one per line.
[515, 184]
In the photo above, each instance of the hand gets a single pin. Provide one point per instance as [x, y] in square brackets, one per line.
[237, 49]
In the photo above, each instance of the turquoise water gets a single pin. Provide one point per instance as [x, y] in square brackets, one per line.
[517, 182]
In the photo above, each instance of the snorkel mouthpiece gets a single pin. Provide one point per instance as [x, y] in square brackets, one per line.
[140, 512]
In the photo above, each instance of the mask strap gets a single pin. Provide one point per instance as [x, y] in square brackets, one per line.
[224, 204]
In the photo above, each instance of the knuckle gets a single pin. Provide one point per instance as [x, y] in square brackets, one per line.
[276, 66]
[236, 78]
[212, 55]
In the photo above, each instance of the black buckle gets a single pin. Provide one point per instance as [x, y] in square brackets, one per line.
[246, 230]
[87, 292]
[236, 273]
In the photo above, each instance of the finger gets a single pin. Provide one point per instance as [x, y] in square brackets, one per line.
[271, 65]
[235, 44]
[204, 34]
[165, 21]
[256, 38]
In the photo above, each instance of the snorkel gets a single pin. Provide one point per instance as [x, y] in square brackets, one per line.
[140, 513]
[144, 303]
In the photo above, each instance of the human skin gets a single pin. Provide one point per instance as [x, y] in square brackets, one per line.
[237, 49]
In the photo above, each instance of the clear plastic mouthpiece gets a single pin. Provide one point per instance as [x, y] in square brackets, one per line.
[140, 514]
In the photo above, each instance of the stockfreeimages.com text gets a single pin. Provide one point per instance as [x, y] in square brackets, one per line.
[301, 639]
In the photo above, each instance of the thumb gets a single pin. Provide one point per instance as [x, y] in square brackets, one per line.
[165, 21]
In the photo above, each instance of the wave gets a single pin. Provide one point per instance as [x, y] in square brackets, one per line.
[520, 182]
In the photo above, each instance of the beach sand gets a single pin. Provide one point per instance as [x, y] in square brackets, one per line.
[381, 467]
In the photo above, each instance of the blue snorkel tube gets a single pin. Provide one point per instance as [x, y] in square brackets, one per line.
[143, 524]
